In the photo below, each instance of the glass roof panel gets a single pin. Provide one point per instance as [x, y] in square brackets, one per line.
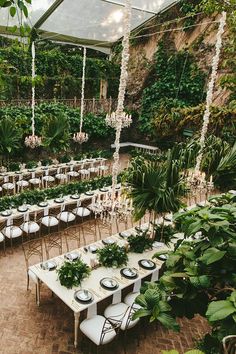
[36, 10]
[99, 20]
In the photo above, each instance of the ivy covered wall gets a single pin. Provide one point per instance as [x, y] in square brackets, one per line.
[58, 70]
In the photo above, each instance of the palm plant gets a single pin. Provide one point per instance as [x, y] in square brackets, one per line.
[154, 187]
[10, 138]
[56, 133]
[225, 173]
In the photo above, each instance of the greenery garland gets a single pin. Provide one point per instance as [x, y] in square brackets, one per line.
[36, 196]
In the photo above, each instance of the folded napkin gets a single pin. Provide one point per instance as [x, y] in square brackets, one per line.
[155, 275]
[137, 286]
[116, 297]
[92, 310]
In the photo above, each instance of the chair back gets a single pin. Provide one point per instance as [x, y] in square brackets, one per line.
[110, 327]
[229, 344]
[33, 248]
[53, 241]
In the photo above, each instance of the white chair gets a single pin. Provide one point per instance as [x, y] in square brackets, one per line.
[21, 184]
[30, 226]
[61, 177]
[122, 312]
[32, 249]
[99, 329]
[67, 217]
[8, 187]
[51, 219]
[2, 237]
[47, 180]
[130, 299]
[13, 230]
[82, 212]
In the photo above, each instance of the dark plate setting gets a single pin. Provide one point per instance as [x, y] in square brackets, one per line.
[75, 196]
[49, 265]
[43, 204]
[147, 264]
[22, 208]
[89, 193]
[124, 234]
[83, 296]
[92, 248]
[72, 256]
[104, 189]
[163, 257]
[59, 200]
[129, 273]
[157, 244]
[141, 229]
[109, 284]
[6, 213]
[108, 241]
[44, 168]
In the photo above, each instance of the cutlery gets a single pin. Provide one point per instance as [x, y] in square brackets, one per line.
[95, 293]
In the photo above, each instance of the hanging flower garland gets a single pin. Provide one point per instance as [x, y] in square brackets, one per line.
[215, 64]
[82, 137]
[120, 119]
[33, 140]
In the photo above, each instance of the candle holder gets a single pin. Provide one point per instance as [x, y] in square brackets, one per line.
[33, 141]
[80, 137]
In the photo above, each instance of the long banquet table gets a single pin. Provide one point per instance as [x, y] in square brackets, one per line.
[53, 204]
[91, 283]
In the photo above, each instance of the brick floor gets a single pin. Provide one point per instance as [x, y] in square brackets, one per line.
[26, 329]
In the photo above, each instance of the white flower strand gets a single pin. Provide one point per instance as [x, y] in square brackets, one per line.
[33, 89]
[215, 64]
[121, 95]
[82, 92]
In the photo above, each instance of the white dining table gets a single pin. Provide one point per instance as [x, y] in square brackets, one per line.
[45, 169]
[51, 203]
[92, 282]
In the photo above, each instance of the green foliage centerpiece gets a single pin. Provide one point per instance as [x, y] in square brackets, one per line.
[140, 242]
[112, 256]
[72, 273]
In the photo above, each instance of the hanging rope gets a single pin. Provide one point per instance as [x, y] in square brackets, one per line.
[82, 92]
[209, 98]
[121, 95]
[33, 89]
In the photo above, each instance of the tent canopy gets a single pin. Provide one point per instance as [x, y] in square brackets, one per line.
[94, 23]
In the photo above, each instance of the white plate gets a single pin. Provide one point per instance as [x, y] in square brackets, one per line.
[157, 244]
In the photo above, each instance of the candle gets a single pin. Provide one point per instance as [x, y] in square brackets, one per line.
[211, 179]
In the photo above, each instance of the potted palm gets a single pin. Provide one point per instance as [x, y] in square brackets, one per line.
[154, 187]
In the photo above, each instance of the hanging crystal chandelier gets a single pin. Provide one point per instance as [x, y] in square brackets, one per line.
[111, 119]
[81, 137]
[33, 141]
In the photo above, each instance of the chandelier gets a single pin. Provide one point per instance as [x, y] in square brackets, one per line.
[33, 141]
[81, 137]
[114, 117]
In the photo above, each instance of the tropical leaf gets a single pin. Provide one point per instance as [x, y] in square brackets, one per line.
[218, 310]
